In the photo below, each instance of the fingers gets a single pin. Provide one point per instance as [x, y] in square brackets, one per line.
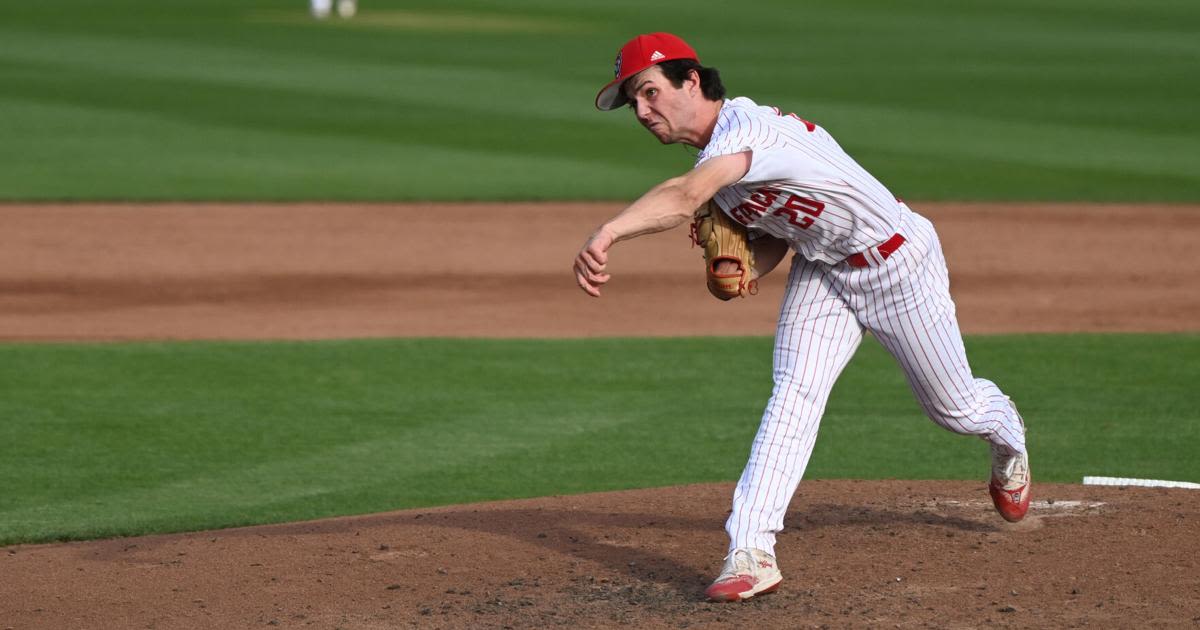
[591, 262]
[587, 286]
[595, 254]
[589, 281]
[595, 278]
[727, 267]
[587, 264]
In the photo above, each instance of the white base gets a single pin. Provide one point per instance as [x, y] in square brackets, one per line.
[1147, 483]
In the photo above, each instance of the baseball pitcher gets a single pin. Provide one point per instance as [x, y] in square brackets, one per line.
[766, 182]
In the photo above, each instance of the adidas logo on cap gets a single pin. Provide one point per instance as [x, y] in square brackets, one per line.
[656, 56]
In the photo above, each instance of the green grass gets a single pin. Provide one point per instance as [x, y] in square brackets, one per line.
[235, 100]
[102, 440]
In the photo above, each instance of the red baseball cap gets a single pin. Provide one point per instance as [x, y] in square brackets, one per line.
[636, 55]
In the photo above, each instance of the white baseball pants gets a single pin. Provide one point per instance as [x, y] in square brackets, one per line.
[905, 303]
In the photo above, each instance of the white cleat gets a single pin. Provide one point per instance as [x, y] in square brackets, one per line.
[747, 572]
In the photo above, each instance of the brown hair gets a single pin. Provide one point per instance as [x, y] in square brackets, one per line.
[677, 71]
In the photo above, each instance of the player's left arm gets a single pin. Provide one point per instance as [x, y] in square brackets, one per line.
[663, 207]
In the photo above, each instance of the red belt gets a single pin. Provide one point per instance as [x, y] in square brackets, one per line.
[884, 250]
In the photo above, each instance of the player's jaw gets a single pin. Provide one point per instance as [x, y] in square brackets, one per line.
[659, 128]
[654, 120]
[666, 120]
[663, 109]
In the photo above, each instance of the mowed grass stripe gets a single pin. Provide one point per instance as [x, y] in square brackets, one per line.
[135, 438]
[216, 124]
[1097, 100]
[231, 166]
[1102, 150]
[204, 65]
[295, 110]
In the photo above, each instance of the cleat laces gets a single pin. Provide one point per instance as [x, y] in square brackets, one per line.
[1011, 471]
[740, 562]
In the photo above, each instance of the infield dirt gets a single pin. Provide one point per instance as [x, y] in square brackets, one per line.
[184, 271]
[856, 554]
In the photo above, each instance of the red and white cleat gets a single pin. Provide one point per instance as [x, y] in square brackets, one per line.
[747, 572]
[1010, 481]
[1010, 489]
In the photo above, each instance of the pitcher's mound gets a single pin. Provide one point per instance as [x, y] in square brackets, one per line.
[856, 553]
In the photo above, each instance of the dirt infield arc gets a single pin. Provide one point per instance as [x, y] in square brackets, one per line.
[856, 554]
[324, 271]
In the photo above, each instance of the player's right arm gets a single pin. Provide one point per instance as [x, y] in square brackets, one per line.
[663, 207]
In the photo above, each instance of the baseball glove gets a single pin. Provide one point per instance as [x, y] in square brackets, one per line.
[729, 261]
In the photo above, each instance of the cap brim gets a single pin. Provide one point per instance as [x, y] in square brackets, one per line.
[611, 97]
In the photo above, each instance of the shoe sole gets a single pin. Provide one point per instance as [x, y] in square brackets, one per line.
[761, 588]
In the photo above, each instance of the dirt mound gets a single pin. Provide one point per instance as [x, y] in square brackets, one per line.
[857, 553]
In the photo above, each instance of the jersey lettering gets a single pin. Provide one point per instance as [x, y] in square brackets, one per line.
[799, 211]
[747, 213]
[760, 201]
[802, 187]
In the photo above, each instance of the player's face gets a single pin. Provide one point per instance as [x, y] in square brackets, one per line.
[665, 110]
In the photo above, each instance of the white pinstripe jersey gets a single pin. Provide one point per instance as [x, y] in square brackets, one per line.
[801, 186]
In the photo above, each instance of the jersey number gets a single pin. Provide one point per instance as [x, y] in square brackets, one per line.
[795, 206]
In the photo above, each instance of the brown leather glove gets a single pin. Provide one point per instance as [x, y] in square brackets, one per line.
[729, 261]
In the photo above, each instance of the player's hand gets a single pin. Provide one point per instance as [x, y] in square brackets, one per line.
[591, 262]
[728, 267]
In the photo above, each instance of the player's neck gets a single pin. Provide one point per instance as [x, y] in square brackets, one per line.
[706, 122]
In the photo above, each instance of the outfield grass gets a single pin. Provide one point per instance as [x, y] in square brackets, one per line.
[101, 440]
[236, 100]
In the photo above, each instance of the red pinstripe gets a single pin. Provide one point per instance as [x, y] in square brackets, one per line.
[859, 210]
[903, 300]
